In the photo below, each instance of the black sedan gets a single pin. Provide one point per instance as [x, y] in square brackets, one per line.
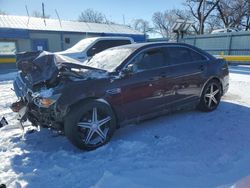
[116, 87]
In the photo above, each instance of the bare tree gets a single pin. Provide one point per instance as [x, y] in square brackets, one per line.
[213, 22]
[163, 22]
[246, 22]
[39, 14]
[200, 10]
[90, 15]
[141, 25]
[233, 12]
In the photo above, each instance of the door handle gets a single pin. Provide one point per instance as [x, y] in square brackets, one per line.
[155, 78]
[202, 67]
[163, 75]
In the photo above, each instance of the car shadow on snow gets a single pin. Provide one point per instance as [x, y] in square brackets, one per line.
[211, 149]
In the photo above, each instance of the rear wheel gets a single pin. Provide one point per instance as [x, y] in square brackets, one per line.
[211, 96]
[90, 125]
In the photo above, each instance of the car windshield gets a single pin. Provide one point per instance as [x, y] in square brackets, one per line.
[109, 59]
[81, 45]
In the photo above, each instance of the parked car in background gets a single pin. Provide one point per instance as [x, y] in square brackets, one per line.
[88, 47]
[226, 30]
[117, 86]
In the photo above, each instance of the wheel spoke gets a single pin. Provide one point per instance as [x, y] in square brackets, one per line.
[94, 133]
[101, 134]
[94, 115]
[214, 99]
[212, 96]
[85, 125]
[215, 92]
[211, 89]
[209, 102]
[89, 136]
[104, 121]
[208, 95]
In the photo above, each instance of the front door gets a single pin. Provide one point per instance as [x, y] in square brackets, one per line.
[143, 91]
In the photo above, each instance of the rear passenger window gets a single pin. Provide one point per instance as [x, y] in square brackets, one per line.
[196, 56]
[180, 55]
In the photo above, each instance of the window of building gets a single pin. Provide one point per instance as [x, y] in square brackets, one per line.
[67, 40]
[7, 48]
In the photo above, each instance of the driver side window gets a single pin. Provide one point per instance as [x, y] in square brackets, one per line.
[148, 60]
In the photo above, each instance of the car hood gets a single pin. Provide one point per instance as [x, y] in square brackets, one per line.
[42, 66]
[67, 53]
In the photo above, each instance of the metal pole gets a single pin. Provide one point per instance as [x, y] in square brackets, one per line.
[43, 14]
[230, 44]
[202, 16]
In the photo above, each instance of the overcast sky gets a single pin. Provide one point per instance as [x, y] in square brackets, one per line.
[71, 9]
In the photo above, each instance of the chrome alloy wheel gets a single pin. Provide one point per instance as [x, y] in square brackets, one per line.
[94, 127]
[212, 96]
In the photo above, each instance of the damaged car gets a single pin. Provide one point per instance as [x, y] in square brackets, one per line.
[118, 86]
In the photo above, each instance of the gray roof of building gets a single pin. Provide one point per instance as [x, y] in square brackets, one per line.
[33, 23]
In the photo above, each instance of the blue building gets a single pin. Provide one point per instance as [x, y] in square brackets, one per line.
[22, 33]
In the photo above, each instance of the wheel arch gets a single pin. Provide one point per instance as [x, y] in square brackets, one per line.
[208, 80]
[75, 105]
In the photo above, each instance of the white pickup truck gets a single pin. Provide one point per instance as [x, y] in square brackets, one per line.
[88, 47]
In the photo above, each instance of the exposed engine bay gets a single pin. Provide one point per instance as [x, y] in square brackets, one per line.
[38, 86]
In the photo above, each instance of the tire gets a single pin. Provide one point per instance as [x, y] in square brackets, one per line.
[211, 96]
[83, 127]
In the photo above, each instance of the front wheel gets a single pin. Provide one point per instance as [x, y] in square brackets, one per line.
[90, 125]
[211, 96]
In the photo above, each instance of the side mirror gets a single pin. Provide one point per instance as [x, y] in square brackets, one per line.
[91, 52]
[128, 71]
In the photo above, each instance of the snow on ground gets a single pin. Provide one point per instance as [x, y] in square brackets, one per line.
[185, 149]
[7, 76]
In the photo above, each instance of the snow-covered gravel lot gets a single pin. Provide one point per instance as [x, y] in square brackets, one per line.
[187, 149]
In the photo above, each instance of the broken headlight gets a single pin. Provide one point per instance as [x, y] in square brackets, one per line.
[45, 98]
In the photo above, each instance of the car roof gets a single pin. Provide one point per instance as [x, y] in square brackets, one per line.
[111, 38]
[136, 46]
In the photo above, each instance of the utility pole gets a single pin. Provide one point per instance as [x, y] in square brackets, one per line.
[27, 11]
[43, 14]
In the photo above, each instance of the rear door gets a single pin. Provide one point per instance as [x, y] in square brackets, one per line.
[186, 74]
